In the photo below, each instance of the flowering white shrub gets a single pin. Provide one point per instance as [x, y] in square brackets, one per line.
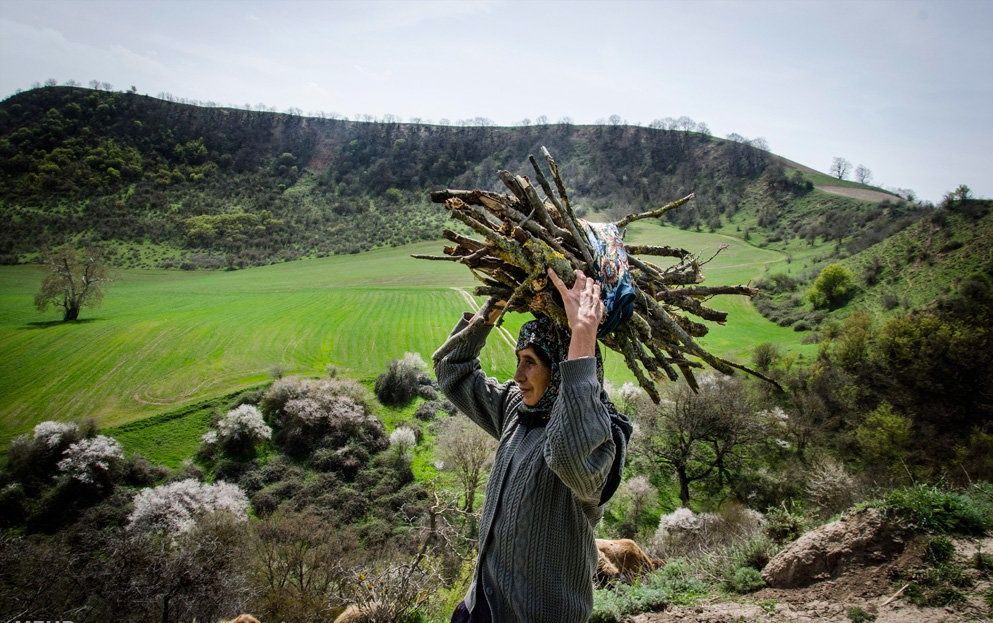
[52, 433]
[244, 423]
[831, 487]
[413, 361]
[683, 532]
[403, 438]
[282, 391]
[175, 507]
[209, 438]
[88, 460]
[328, 413]
[640, 487]
[629, 392]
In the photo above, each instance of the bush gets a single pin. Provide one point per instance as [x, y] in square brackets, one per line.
[12, 504]
[241, 428]
[401, 382]
[832, 287]
[939, 549]
[884, 438]
[683, 532]
[325, 413]
[175, 508]
[746, 580]
[784, 525]
[672, 584]
[982, 562]
[765, 356]
[231, 470]
[633, 510]
[345, 461]
[247, 397]
[403, 439]
[427, 392]
[94, 461]
[427, 411]
[140, 472]
[33, 460]
[858, 615]
[928, 508]
[831, 487]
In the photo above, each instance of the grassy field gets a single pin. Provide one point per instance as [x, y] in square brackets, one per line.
[166, 341]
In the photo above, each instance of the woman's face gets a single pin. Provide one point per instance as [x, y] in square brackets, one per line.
[532, 376]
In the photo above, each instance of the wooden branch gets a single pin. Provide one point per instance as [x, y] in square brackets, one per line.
[644, 249]
[524, 233]
[571, 224]
[559, 184]
[627, 220]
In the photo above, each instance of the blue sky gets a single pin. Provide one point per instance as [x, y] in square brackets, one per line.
[905, 88]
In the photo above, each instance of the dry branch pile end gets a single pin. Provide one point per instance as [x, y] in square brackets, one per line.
[523, 234]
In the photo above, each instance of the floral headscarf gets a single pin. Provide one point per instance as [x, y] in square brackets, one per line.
[552, 344]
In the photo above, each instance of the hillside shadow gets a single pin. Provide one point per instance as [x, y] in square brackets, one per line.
[53, 323]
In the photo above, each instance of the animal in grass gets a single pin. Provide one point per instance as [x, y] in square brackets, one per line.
[622, 559]
[358, 614]
[242, 618]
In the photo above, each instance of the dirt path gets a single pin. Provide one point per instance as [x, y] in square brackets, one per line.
[870, 589]
[862, 194]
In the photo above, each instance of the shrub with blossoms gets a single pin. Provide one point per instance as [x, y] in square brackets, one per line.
[238, 431]
[325, 413]
[403, 439]
[33, 459]
[683, 532]
[174, 508]
[92, 461]
[53, 434]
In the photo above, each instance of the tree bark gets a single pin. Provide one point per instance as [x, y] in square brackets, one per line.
[684, 485]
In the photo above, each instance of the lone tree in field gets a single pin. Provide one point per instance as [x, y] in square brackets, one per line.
[863, 174]
[832, 287]
[74, 279]
[840, 168]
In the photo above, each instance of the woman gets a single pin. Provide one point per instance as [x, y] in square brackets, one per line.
[560, 456]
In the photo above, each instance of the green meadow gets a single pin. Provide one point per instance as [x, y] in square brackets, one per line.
[165, 347]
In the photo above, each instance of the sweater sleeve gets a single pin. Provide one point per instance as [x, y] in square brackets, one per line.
[462, 381]
[579, 447]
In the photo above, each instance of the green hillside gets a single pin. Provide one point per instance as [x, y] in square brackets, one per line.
[165, 339]
[162, 184]
[925, 261]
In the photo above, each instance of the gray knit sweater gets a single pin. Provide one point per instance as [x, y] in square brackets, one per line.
[537, 553]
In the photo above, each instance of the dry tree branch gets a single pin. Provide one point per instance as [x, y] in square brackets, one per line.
[523, 234]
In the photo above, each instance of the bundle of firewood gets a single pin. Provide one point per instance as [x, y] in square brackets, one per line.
[523, 234]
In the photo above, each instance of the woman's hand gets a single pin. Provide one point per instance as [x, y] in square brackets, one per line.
[584, 309]
[491, 310]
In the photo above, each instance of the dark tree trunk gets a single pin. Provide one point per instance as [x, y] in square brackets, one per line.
[684, 486]
[72, 313]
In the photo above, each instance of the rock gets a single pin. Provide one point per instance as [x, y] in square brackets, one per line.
[857, 539]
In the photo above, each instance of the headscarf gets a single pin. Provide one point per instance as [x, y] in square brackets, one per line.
[552, 345]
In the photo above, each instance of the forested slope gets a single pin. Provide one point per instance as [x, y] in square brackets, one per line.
[168, 184]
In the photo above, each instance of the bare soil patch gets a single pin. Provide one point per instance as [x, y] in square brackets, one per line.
[862, 194]
[829, 601]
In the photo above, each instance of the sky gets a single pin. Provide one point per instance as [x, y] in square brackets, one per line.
[905, 88]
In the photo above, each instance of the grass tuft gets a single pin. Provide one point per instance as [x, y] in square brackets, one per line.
[931, 509]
